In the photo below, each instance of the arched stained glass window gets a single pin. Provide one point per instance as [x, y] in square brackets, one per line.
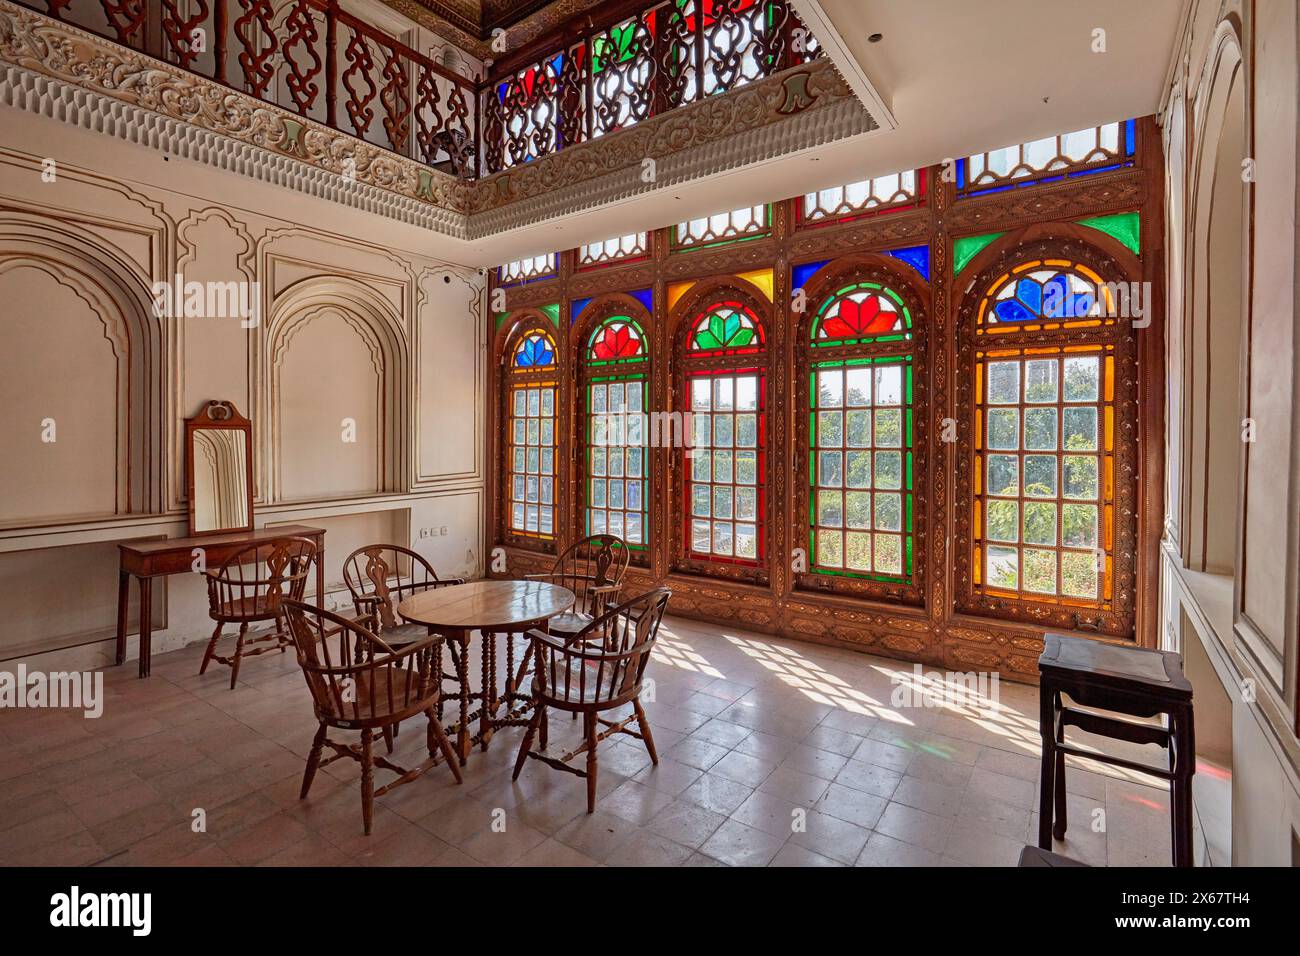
[1044, 445]
[861, 443]
[617, 463]
[724, 379]
[531, 385]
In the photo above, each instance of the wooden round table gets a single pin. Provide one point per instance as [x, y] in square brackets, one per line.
[492, 607]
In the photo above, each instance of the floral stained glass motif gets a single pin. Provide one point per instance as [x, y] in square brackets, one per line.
[727, 326]
[617, 339]
[1047, 294]
[1031, 298]
[862, 313]
[535, 351]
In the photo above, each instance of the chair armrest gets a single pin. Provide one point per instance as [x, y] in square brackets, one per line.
[605, 589]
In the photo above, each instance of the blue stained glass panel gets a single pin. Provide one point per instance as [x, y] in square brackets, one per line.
[645, 297]
[576, 308]
[805, 271]
[918, 257]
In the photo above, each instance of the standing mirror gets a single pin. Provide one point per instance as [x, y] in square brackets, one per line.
[219, 469]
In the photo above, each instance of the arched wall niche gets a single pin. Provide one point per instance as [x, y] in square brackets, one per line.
[103, 392]
[336, 393]
[1112, 262]
[1215, 318]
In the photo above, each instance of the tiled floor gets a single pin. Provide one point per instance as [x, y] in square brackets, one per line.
[773, 752]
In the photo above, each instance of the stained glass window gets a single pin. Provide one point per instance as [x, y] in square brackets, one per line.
[631, 246]
[617, 431]
[747, 222]
[522, 270]
[1090, 150]
[530, 435]
[896, 191]
[724, 467]
[1045, 473]
[1048, 294]
[860, 428]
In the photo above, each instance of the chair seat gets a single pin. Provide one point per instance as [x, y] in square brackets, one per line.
[404, 634]
[254, 608]
[576, 693]
[385, 698]
[570, 622]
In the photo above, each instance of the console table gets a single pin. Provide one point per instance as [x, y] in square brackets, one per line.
[146, 560]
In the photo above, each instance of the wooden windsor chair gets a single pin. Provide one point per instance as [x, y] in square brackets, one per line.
[375, 690]
[379, 577]
[593, 570]
[250, 588]
[600, 669]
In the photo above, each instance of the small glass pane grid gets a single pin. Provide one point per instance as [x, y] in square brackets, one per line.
[860, 468]
[618, 465]
[632, 246]
[724, 466]
[1092, 150]
[1045, 473]
[748, 222]
[522, 270]
[531, 454]
[895, 191]
[1048, 294]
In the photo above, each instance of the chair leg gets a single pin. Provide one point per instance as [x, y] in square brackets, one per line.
[590, 720]
[367, 781]
[437, 737]
[239, 651]
[388, 737]
[541, 729]
[1058, 830]
[313, 761]
[527, 744]
[644, 726]
[1047, 769]
[212, 648]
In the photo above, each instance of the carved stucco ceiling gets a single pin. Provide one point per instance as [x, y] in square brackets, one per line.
[470, 23]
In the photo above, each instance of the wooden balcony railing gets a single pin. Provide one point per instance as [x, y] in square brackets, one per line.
[631, 64]
[629, 60]
[306, 56]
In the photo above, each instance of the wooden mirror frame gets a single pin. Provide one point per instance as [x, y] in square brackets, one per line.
[219, 415]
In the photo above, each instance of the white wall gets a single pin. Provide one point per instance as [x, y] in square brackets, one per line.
[1232, 551]
[357, 322]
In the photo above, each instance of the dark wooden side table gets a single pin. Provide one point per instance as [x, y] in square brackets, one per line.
[1131, 681]
[146, 560]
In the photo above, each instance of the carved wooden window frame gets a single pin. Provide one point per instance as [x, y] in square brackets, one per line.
[821, 288]
[1118, 617]
[523, 323]
[594, 315]
[693, 304]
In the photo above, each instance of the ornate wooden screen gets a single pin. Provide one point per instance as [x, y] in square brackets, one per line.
[955, 401]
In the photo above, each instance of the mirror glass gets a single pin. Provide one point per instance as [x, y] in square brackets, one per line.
[221, 492]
